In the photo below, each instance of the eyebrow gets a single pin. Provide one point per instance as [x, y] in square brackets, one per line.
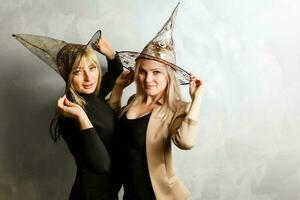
[82, 67]
[153, 69]
[156, 68]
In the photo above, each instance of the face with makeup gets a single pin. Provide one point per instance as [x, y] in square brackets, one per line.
[85, 76]
[152, 77]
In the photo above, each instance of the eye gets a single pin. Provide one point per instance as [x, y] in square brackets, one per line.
[93, 68]
[77, 72]
[156, 72]
[142, 72]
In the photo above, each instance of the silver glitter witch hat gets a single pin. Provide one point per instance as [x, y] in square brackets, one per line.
[160, 48]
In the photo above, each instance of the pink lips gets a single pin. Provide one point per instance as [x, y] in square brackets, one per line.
[148, 86]
[88, 86]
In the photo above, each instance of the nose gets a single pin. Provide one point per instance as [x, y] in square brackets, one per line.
[148, 78]
[87, 75]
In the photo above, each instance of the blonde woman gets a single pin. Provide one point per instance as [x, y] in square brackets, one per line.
[155, 117]
[85, 121]
[87, 124]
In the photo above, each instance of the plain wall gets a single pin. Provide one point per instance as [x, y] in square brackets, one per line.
[247, 52]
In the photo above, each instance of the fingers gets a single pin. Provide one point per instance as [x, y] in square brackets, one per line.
[63, 103]
[106, 48]
[125, 79]
[98, 43]
[60, 105]
[103, 42]
[68, 108]
[67, 102]
[125, 73]
[128, 75]
[195, 81]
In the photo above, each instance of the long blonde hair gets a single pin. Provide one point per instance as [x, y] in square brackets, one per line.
[170, 96]
[89, 55]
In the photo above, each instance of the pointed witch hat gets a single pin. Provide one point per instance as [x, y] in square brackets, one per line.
[160, 48]
[58, 54]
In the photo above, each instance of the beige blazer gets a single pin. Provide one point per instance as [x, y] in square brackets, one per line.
[161, 131]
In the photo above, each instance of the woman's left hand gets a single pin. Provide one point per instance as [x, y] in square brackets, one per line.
[104, 47]
[195, 86]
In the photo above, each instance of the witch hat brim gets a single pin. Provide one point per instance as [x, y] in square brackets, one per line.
[50, 50]
[129, 58]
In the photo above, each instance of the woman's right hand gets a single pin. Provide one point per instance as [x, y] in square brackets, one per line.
[69, 109]
[124, 79]
[73, 110]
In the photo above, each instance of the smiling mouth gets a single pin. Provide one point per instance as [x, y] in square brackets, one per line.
[149, 86]
[88, 86]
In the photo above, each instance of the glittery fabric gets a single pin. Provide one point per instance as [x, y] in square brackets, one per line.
[161, 48]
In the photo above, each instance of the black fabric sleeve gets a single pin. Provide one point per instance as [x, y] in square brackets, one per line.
[87, 148]
[115, 68]
[95, 156]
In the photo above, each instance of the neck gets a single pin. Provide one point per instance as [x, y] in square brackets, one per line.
[87, 96]
[158, 99]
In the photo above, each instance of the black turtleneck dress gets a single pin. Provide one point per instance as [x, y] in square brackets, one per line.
[93, 148]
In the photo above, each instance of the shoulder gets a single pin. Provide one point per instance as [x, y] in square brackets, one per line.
[130, 99]
[181, 105]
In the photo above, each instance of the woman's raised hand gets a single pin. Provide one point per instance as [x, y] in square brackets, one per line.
[195, 86]
[68, 108]
[104, 47]
[124, 79]
[73, 110]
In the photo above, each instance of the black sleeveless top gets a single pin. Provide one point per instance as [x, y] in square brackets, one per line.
[137, 183]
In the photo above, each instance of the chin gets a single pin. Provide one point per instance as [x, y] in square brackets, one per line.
[151, 93]
[88, 91]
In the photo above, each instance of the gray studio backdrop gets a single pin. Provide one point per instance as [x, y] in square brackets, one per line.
[246, 51]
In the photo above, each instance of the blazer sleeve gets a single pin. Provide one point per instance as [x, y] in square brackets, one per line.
[114, 69]
[183, 129]
[86, 146]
